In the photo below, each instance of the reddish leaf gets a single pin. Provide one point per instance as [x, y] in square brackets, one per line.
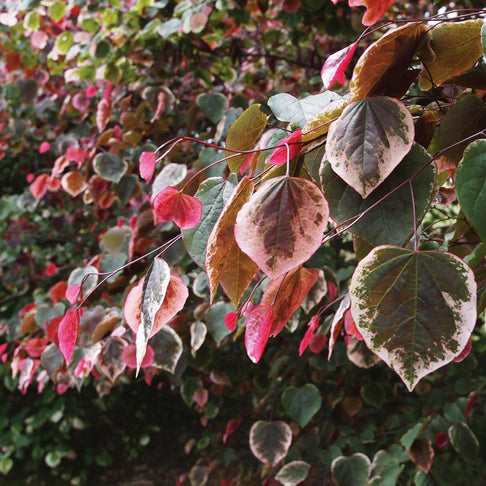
[286, 293]
[441, 440]
[331, 290]
[258, 327]
[313, 325]
[74, 154]
[68, 333]
[44, 147]
[422, 454]
[231, 320]
[147, 162]
[201, 397]
[34, 347]
[317, 343]
[350, 326]
[469, 405]
[39, 187]
[38, 39]
[291, 6]
[129, 356]
[90, 91]
[231, 426]
[464, 353]
[281, 154]
[374, 9]
[72, 293]
[51, 269]
[172, 205]
[337, 323]
[81, 102]
[336, 64]
[103, 112]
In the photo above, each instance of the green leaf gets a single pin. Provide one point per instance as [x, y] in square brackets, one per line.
[470, 187]
[392, 220]
[351, 471]
[385, 469]
[64, 42]
[212, 105]
[153, 294]
[415, 310]
[56, 11]
[465, 118]
[464, 441]
[116, 240]
[5, 465]
[213, 193]
[373, 394]
[170, 175]
[270, 441]
[368, 141]
[78, 274]
[293, 473]
[244, 134]
[109, 166]
[167, 346]
[289, 109]
[301, 404]
[410, 435]
[214, 320]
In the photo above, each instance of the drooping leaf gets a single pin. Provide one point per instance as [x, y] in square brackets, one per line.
[154, 290]
[336, 64]
[226, 264]
[392, 220]
[213, 194]
[286, 293]
[68, 332]
[301, 404]
[109, 167]
[383, 69]
[415, 310]
[293, 473]
[422, 454]
[288, 148]
[170, 175]
[311, 329]
[258, 326]
[172, 205]
[270, 441]
[129, 357]
[337, 323]
[374, 11]
[282, 224]
[456, 47]
[368, 141]
[147, 165]
[244, 134]
[51, 360]
[73, 183]
[110, 360]
[471, 192]
[167, 346]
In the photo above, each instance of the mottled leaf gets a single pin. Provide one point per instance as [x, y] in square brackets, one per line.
[167, 346]
[301, 404]
[282, 224]
[368, 141]
[270, 441]
[109, 167]
[415, 310]
[422, 454]
[110, 360]
[336, 64]
[351, 471]
[293, 473]
[198, 335]
[257, 331]
[337, 323]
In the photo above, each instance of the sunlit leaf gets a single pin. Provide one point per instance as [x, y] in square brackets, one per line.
[336, 64]
[270, 441]
[173, 205]
[415, 310]
[368, 141]
[374, 11]
[282, 224]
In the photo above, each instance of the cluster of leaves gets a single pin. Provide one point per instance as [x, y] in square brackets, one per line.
[293, 220]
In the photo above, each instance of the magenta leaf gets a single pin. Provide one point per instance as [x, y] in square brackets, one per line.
[72, 293]
[172, 205]
[230, 320]
[281, 154]
[313, 325]
[147, 162]
[258, 327]
[68, 332]
[336, 64]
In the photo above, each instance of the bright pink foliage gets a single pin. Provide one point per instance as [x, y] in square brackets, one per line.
[147, 162]
[281, 154]
[68, 332]
[172, 205]
[336, 64]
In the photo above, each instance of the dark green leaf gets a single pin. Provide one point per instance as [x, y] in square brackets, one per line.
[464, 441]
[109, 166]
[270, 441]
[301, 404]
[351, 471]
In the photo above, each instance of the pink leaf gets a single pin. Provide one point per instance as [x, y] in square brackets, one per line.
[230, 320]
[317, 343]
[441, 440]
[51, 269]
[90, 91]
[38, 39]
[280, 155]
[374, 9]
[147, 165]
[172, 205]
[336, 64]
[350, 326]
[464, 353]
[258, 327]
[291, 6]
[313, 325]
[103, 112]
[39, 187]
[129, 356]
[35, 346]
[72, 293]
[74, 154]
[44, 147]
[201, 397]
[58, 291]
[231, 426]
[68, 332]
[81, 101]
[469, 405]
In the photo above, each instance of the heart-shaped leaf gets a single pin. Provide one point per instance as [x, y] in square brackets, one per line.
[167, 346]
[301, 404]
[172, 205]
[415, 310]
[282, 224]
[293, 473]
[470, 189]
[110, 360]
[213, 194]
[351, 471]
[270, 441]
[368, 141]
[109, 166]
[374, 11]
[392, 220]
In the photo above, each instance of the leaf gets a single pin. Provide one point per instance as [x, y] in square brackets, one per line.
[170, 175]
[212, 105]
[270, 441]
[293, 473]
[392, 220]
[336, 64]
[68, 332]
[282, 224]
[167, 346]
[257, 331]
[286, 293]
[215, 320]
[311, 329]
[337, 323]
[52, 359]
[287, 108]
[103, 113]
[226, 264]
[422, 454]
[110, 360]
[288, 148]
[374, 11]
[198, 335]
[129, 357]
[230, 320]
[415, 310]
[213, 194]
[316, 293]
[464, 441]
[57, 10]
[383, 69]
[464, 119]
[73, 183]
[351, 471]
[368, 141]
[109, 166]
[456, 47]
[154, 290]
[147, 163]
[385, 469]
[471, 192]
[172, 205]
[175, 298]
[301, 404]
[244, 134]
[77, 277]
